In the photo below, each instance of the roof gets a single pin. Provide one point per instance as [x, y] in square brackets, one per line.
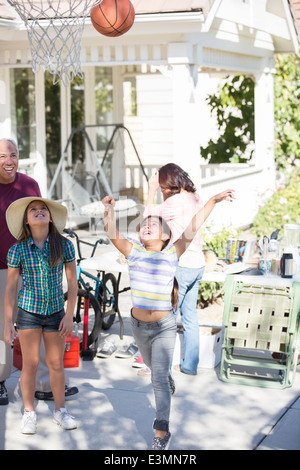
[295, 10]
[152, 7]
[140, 6]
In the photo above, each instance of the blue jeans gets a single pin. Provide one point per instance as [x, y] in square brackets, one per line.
[188, 280]
[27, 320]
[156, 342]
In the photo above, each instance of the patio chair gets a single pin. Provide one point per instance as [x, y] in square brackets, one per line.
[83, 204]
[261, 329]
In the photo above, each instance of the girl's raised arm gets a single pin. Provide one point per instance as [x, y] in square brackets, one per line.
[197, 221]
[120, 242]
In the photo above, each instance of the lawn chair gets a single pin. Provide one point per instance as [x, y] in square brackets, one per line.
[261, 329]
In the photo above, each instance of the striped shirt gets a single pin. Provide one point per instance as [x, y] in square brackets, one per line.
[42, 286]
[152, 276]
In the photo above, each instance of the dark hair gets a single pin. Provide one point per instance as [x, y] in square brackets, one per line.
[56, 248]
[174, 178]
[174, 294]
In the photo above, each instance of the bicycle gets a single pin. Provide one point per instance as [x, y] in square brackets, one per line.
[97, 300]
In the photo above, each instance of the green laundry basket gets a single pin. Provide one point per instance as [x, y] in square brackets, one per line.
[261, 325]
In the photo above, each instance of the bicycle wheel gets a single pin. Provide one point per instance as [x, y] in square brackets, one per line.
[94, 316]
[108, 300]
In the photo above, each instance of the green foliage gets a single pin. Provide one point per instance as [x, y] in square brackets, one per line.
[233, 106]
[215, 239]
[283, 207]
[209, 292]
[287, 109]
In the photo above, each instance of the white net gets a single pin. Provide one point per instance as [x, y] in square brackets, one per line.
[55, 32]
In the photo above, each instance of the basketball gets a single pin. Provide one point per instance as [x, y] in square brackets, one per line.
[113, 17]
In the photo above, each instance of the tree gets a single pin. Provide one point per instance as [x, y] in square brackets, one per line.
[233, 106]
[287, 110]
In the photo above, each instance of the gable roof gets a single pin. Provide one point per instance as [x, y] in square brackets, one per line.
[295, 10]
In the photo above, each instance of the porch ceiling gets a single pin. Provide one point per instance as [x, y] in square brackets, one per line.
[140, 6]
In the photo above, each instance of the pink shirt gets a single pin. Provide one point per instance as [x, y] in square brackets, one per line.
[177, 211]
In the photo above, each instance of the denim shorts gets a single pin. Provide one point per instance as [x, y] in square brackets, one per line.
[27, 320]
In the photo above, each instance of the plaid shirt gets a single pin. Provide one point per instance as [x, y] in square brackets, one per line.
[42, 287]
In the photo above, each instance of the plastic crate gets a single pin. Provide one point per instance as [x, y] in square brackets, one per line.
[210, 349]
[71, 354]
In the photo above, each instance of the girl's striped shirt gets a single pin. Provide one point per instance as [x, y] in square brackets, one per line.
[152, 276]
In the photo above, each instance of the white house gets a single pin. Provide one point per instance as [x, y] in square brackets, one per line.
[172, 57]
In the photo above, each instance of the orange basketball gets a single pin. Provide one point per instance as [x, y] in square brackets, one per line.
[113, 17]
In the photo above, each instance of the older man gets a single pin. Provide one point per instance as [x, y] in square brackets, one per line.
[13, 185]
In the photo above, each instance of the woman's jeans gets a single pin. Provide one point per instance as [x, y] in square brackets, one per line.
[188, 280]
[156, 342]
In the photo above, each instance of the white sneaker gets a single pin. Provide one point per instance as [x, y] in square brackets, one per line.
[63, 418]
[28, 425]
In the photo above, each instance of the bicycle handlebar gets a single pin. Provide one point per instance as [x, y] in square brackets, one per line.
[73, 234]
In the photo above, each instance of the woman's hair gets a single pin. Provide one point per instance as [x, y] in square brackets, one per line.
[174, 178]
[166, 229]
[174, 294]
[56, 248]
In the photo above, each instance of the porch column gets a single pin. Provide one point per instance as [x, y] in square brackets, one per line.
[185, 122]
[40, 168]
[5, 110]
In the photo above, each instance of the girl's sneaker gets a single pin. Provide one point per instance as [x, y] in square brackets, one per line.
[161, 443]
[138, 361]
[28, 425]
[63, 418]
[107, 349]
[144, 372]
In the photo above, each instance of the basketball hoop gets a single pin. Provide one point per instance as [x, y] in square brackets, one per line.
[55, 31]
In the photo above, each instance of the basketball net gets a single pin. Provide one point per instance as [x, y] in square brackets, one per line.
[55, 31]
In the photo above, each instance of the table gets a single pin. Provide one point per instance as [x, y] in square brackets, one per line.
[110, 262]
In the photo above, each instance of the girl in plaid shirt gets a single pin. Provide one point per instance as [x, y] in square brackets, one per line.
[39, 257]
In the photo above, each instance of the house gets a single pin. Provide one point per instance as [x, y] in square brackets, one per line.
[163, 67]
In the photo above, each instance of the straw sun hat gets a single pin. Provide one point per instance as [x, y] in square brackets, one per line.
[15, 214]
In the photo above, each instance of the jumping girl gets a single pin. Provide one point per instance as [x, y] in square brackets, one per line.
[152, 264]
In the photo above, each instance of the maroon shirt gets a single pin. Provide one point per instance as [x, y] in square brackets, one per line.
[23, 186]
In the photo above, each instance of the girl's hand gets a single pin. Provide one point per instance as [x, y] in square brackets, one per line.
[108, 201]
[66, 326]
[9, 333]
[228, 195]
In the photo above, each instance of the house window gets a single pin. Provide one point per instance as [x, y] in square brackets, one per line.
[23, 110]
[104, 105]
[78, 119]
[53, 120]
[129, 93]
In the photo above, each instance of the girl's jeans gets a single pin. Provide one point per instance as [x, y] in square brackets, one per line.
[188, 280]
[156, 342]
